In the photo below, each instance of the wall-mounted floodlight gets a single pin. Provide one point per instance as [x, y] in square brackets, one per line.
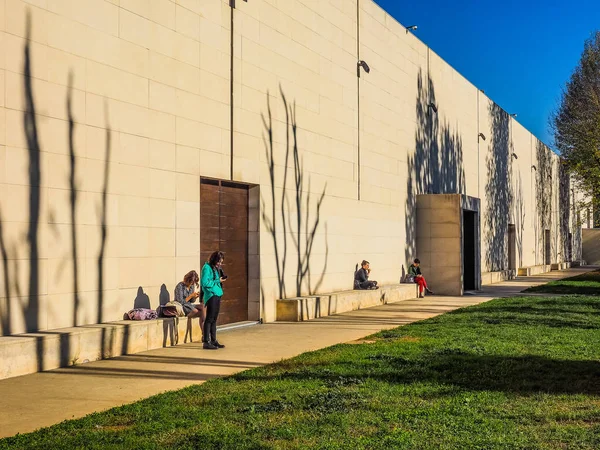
[482, 136]
[514, 155]
[411, 28]
[364, 65]
[482, 91]
[534, 168]
[514, 115]
[432, 106]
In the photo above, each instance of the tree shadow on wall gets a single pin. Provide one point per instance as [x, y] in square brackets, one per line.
[564, 211]
[498, 191]
[519, 215]
[291, 218]
[30, 309]
[436, 167]
[543, 194]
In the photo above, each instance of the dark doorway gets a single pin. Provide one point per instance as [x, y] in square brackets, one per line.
[570, 248]
[512, 247]
[547, 258]
[224, 226]
[469, 250]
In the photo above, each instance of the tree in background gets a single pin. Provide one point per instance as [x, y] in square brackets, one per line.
[576, 124]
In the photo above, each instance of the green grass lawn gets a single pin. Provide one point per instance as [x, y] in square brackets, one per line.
[520, 373]
[585, 284]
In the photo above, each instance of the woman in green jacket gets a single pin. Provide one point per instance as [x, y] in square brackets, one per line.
[212, 290]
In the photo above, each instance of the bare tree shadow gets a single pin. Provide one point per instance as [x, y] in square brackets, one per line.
[35, 178]
[103, 237]
[498, 190]
[543, 195]
[296, 220]
[5, 306]
[30, 310]
[519, 215]
[436, 167]
[564, 212]
[73, 198]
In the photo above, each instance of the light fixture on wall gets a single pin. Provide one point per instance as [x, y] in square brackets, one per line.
[514, 115]
[482, 136]
[411, 28]
[432, 106]
[514, 155]
[364, 65]
[534, 168]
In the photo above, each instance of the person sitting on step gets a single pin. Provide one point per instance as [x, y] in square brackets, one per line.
[361, 277]
[414, 271]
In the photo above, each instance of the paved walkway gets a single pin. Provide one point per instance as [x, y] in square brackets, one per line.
[42, 399]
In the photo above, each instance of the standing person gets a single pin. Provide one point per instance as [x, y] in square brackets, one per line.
[185, 293]
[415, 271]
[212, 288]
[361, 277]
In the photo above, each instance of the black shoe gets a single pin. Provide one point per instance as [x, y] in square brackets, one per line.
[208, 346]
[216, 344]
[429, 291]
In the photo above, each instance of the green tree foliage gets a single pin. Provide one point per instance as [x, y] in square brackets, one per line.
[576, 123]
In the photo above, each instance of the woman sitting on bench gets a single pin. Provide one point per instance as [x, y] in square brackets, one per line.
[414, 271]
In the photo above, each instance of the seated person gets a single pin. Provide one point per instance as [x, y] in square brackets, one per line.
[361, 278]
[185, 293]
[414, 271]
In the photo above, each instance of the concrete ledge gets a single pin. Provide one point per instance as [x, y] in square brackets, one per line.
[561, 266]
[315, 306]
[497, 277]
[534, 270]
[27, 353]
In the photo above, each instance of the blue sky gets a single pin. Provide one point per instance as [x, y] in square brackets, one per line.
[520, 52]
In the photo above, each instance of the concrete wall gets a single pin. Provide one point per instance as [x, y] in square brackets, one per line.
[112, 110]
[591, 246]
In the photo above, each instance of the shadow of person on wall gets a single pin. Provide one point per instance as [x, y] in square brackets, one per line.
[141, 300]
[164, 297]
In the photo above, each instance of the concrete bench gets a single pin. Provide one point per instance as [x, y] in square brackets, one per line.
[497, 277]
[534, 270]
[314, 306]
[27, 353]
[562, 265]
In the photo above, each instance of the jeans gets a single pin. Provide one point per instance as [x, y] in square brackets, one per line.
[210, 323]
[367, 284]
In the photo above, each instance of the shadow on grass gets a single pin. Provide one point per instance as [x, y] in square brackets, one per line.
[584, 284]
[441, 351]
[524, 375]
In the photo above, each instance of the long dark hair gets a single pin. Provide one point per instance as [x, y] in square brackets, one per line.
[191, 278]
[215, 258]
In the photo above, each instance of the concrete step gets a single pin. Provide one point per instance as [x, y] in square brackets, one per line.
[497, 277]
[27, 353]
[562, 266]
[534, 270]
[314, 306]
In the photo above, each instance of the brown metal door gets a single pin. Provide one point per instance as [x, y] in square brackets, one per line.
[224, 226]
